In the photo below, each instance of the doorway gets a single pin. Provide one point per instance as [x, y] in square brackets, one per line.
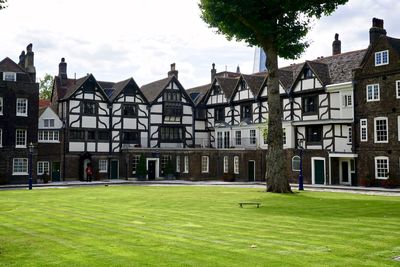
[151, 169]
[318, 170]
[345, 171]
[251, 170]
[55, 171]
[114, 169]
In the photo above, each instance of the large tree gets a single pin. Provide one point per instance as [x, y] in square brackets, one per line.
[279, 27]
[3, 4]
[46, 86]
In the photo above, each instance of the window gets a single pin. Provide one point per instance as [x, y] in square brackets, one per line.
[381, 167]
[9, 76]
[20, 166]
[172, 96]
[48, 123]
[283, 136]
[22, 107]
[314, 134]
[296, 163]
[236, 164]
[238, 138]
[171, 134]
[186, 164]
[130, 137]
[48, 136]
[164, 162]
[363, 130]
[307, 73]
[103, 136]
[226, 164]
[398, 128]
[204, 164]
[347, 100]
[226, 139]
[373, 92]
[219, 114]
[178, 164]
[219, 139]
[246, 112]
[397, 89]
[310, 104]
[77, 135]
[103, 165]
[135, 162]
[1, 106]
[173, 109]
[382, 58]
[381, 130]
[216, 90]
[43, 167]
[129, 110]
[350, 135]
[20, 138]
[89, 108]
[252, 137]
[91, 135]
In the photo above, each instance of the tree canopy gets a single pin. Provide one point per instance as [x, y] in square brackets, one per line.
[3, 4]
[280, 28]
[46, 86]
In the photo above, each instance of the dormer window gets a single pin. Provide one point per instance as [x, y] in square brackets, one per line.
[217, 90]
[47, 123]
[382, 58]
[307, 73]
[9, 76]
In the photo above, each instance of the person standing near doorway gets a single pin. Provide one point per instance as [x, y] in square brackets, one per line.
[89, 172]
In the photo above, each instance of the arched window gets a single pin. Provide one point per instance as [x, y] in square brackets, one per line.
[296, 163]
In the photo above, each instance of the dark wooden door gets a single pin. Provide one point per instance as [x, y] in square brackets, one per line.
[251, 172]
[55, 171]
[114, 169]
[152, 170]
[345, 172]
[319, 171]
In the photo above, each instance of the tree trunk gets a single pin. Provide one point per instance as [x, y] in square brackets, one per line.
[277, 181]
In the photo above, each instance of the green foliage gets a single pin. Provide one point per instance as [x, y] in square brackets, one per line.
[3, 4]
[195, 226]
[46, 86]
[282, 24]
[141, 170]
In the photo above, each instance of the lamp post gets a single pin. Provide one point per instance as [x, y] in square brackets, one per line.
[301, 148]
[31, 147]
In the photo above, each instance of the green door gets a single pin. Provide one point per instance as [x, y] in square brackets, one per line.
[319, 171]
[114, 169]
[55, 171]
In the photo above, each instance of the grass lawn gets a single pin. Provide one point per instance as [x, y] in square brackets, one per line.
[195, 226]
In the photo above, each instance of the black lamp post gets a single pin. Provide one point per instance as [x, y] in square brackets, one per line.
[301, 148]
[31, 147]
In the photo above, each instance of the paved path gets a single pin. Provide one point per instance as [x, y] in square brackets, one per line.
[308, 187]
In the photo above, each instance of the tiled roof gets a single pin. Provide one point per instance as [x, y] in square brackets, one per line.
[228, 85]
[117, 88]
[73, 85]
[44, 103]
[152, 90]
[8, 64]
[255, 82]
[321, 70]
[200, 90]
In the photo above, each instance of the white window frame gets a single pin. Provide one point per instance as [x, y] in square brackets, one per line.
[46, 136]
[205, 160]
[186, 164]
[42, 167]
[23, 172]
[376, 167]
[226, 164]
[283, 136]
[103, 166]
[349, 135]
[379, 58]
[1, 106]
[236, 164]
[347, 100]
[375, 130]
[374, 87]
[8, 73]
[17, 145]
[135, 163]
[253, 137]
[17, 106]
[398, 89]
[49, 122]
[178, 164]
[238, 138]
[363, 127]
[297, 160]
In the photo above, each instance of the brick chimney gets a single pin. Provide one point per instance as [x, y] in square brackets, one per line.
[376, 30]
[29, 62]
[213, 72]
[336, 46]
[62, 69]
[21, 62]
[173, 71]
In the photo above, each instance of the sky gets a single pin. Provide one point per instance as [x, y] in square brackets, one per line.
[119, 39]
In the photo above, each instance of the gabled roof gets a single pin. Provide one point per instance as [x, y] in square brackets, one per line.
[393, 42]
[285, 77]
[228, 85]
[321, 71]
[119, 87]
[255, 82]
[201, 91]
[152, 90]
[75, 86]
[8, 64]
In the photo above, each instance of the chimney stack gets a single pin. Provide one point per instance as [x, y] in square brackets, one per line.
[376, 30]
[238, 69]
[62, 71]
[22, 59]
[29, 62]
[213, 72]
[173, 72]
[336, 46]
